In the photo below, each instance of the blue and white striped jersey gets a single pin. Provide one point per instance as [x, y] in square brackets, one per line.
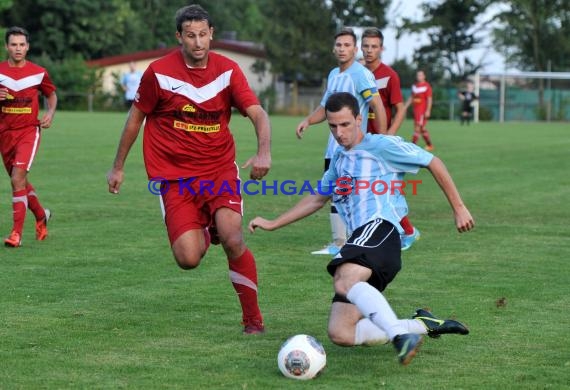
[359, 82]
[364, 180]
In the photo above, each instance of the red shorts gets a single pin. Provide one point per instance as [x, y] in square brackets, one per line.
[420, 117]
[19, 147]
[192, 203]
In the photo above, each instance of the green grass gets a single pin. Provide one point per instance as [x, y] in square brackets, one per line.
[101, 303]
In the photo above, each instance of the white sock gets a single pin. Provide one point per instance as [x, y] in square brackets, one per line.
[374, 306]
[413, 326]
[366, 333]
[338, 229]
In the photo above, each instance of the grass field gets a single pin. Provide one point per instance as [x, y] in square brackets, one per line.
[101, 303]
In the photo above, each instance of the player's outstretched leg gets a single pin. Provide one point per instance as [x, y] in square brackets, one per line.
[374, 306]
[436, 327]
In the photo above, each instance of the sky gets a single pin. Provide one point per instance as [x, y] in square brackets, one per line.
[405, 47]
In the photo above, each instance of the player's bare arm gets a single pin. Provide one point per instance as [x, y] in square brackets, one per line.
[463, 219]
[408, 102]
[130, 133]
[261, 162]
[429, 103]
[380, 120]
[397, 119]
[316, 116]
[47, 118]
[306, 206]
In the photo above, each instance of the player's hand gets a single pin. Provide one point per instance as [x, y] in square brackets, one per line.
[301, 128]
[428, 113]
[115, 179]
[260, 165]
[259, 222]
[463, 220]
[45, 122]
[3, 93]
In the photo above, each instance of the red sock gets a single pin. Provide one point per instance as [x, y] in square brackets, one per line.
[415, 137]
[34, 203]
[407, 225]
[243, 275]
[426, 136]
[19, 206]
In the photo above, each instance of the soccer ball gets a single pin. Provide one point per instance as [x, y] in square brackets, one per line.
[301, 357]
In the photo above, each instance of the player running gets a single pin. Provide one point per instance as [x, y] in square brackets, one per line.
[186, 98]
[21, 83]
[421, 98]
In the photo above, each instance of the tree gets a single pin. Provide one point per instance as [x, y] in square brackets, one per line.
[298, 37]
[407, 73]
[61, 29]
[453, 28]
[242, 17]
[4, 5]
[154, 24]
[74, 81]
[534, 33]
[363, 13]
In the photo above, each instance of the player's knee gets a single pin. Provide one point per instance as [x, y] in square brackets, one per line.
[18, 181]
[188, 260]
[340, 336]
[342, 286]
[233, 245]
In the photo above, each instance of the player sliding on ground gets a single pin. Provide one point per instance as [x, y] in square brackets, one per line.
[370, 259]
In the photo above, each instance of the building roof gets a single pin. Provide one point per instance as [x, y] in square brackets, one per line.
[249, 48]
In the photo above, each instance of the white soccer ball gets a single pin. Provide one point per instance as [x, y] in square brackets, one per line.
[301, 357]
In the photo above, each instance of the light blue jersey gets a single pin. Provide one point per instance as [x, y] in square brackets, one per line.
[359, 82]
[379, 161]
[130, 82]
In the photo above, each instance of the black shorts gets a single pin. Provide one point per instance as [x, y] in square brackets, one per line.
[375, 245]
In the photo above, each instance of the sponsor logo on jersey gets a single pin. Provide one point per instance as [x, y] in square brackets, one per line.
[189, 108]
[17, 110]
[191, 127]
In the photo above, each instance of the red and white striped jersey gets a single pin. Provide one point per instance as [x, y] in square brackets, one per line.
[420, 94]
[188, 111]
[21, 108]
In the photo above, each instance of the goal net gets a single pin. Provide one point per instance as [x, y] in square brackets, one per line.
[524, 96]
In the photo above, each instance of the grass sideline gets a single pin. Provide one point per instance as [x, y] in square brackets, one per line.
[101, 303]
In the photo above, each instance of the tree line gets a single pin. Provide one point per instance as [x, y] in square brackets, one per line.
[297, 34]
